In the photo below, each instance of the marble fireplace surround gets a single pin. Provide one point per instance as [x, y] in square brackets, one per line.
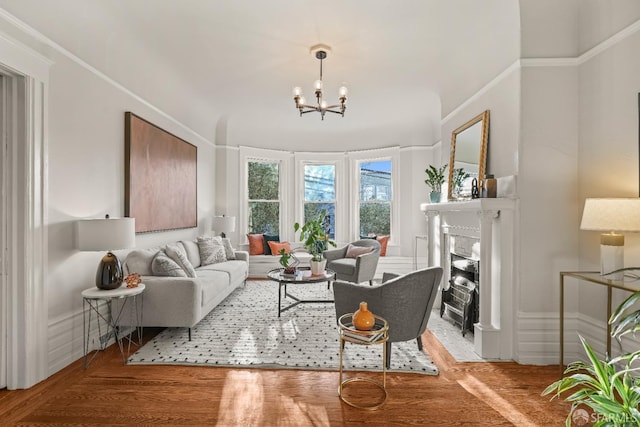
[492, 221]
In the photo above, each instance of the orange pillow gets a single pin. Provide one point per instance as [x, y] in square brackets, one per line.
[256, 247]
[276, 246]
[383, 240]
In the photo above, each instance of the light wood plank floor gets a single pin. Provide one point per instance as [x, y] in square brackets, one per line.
[109, 393]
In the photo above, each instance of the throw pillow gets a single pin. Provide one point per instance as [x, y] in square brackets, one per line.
[211, 250]
[266, 239]
[228, 249]
[383, 240]
[162, 265]
[256, 244]
[180, 257]
[355, 251]
[277, 246]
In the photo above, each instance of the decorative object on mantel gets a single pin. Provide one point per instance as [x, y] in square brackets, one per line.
[611, 216]
[224, 224]
[490, 189]
[320, 51]
[363, 319]
[460, 177]
[106, 235]
[475, 193]
[469, 153]
[435, 179]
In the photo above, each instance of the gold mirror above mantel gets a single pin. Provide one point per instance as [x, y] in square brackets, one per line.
[468, 156]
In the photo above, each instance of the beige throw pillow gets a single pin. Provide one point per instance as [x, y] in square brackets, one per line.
[211, 250]
[162, 265]
[180, 257]
[355, 251]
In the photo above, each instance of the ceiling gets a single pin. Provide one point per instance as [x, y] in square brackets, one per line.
[406, 63]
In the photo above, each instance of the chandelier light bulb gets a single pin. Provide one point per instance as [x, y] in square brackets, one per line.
[342, 91]
[323, 104]
[317, 85]
[297, 91]
[301, 101]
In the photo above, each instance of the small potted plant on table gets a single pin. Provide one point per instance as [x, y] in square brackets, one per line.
[289, 261]
[315, 239]
[435, 179]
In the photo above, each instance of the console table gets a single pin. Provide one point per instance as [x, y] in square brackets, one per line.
[592, 277]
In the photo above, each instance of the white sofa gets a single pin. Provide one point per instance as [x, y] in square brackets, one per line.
[184, 301]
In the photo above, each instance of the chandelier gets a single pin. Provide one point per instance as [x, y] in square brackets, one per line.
[321, 105]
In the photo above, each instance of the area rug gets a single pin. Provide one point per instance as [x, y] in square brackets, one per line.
[244, 330]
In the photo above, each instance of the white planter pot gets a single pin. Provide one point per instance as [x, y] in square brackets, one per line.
[317, 267]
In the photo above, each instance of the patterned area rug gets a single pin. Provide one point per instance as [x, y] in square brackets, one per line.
[244, 330]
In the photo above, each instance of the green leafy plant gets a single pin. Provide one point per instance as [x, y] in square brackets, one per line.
[315, 236]
[459, 176]
[609, 387]
[435, 177]
[288, 261]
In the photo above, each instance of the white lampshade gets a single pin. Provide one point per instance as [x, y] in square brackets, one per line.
[105, 234]
[224, 224]
[612, 216]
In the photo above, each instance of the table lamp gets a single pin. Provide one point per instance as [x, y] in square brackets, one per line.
[106, 235]
[611, 216]
[224, 224]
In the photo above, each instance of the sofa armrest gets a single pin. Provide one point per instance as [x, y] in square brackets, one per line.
[242, 255]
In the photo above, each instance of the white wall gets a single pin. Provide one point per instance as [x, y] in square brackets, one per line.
[86, 180]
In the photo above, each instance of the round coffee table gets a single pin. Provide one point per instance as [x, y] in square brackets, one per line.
[302, 276]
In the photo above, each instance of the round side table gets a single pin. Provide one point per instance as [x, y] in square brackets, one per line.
[92, 298]
[379, 334]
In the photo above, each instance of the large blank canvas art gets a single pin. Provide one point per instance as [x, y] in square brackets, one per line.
[160, 177]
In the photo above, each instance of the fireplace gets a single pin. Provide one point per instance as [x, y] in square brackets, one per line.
[461, 292]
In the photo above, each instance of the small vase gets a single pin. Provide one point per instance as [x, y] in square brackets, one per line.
[363, 319]
[434, 196]
[317, 267]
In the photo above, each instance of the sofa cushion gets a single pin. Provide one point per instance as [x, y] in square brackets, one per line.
[177, 254]
[277, 246]
[266, 238]
[256, 244]
[213, 284]
[383, 240]
[228, 249]
[193, 252]
[139, 261]
[163, 265]
[211, 250]
[236, 270]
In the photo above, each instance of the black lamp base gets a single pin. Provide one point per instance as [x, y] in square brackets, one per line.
[109, 274]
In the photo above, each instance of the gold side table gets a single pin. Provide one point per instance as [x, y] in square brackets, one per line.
[379, 334]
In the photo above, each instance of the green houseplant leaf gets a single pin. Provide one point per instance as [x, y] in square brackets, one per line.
[314, 236]
[435, 177]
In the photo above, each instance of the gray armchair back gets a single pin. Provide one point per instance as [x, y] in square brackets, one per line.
[404, 301]
[356, 270]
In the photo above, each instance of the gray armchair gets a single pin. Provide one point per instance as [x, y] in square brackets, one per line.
[404, 301]
[359, 269]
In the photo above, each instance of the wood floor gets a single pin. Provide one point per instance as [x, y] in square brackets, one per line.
[109, 393]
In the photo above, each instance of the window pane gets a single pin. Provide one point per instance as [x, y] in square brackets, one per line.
[319, 183]
[375, 218]
[264, 217]
[312, 210]
[263, 181]
[375, 180]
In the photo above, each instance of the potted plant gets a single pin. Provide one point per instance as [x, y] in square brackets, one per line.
[289, 261]
[610, 387]
[315, 239]
[435, 179]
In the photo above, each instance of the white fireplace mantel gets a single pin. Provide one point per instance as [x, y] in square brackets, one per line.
[493, 222]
